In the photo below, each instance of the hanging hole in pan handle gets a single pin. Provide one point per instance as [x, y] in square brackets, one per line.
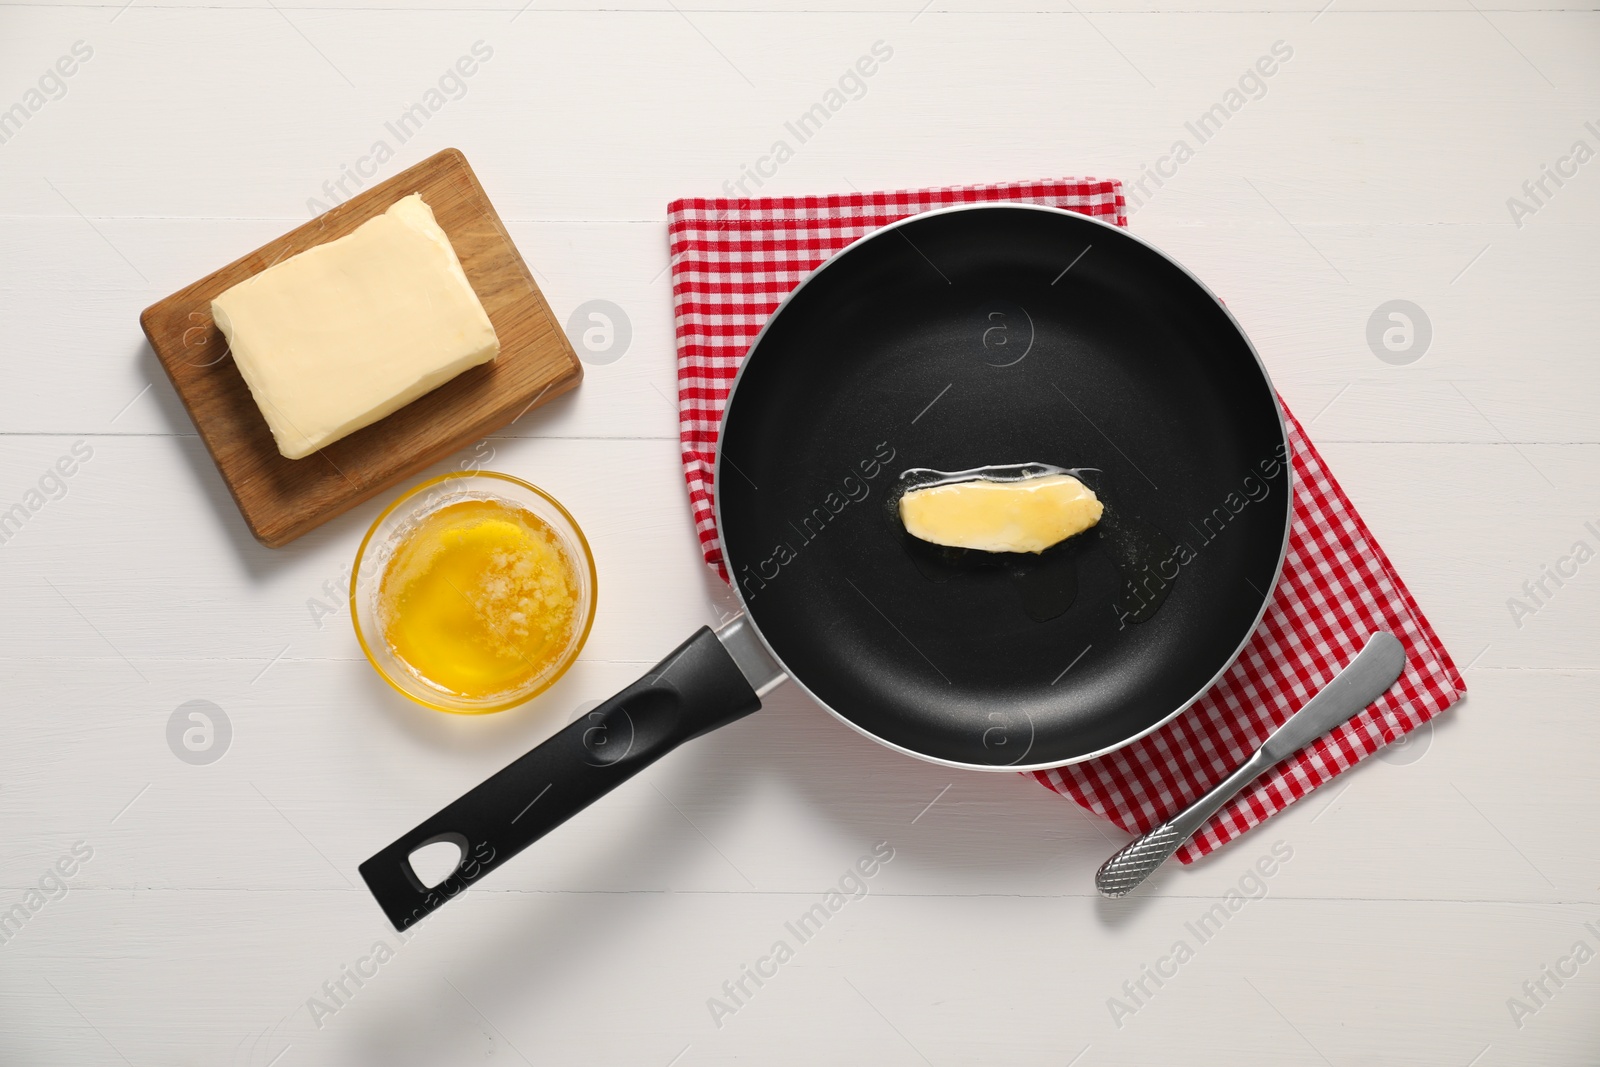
[427, 862]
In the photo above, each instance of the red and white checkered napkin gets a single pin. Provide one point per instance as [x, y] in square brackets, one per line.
[734, 260]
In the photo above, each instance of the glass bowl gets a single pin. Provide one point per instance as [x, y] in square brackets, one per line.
[399, 520]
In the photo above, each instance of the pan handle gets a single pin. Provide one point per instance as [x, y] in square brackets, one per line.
[708, 681]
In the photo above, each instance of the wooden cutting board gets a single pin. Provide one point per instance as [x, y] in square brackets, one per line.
[283, 498]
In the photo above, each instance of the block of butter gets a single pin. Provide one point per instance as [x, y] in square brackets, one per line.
[342, 334]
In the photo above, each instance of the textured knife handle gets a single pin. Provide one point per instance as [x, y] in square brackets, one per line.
[1122, 873]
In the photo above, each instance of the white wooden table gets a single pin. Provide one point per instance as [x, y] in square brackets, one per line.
[218, 908]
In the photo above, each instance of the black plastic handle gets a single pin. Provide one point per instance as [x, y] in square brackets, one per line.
[693, 691]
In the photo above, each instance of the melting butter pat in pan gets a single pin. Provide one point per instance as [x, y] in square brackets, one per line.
[342, 334]
[1026, 515]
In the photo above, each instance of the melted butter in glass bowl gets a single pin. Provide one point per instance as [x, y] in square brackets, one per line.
[473, 592]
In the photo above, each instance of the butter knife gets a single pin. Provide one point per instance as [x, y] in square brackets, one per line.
[1363, 680]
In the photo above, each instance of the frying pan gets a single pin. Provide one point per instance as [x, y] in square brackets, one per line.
[969, 337]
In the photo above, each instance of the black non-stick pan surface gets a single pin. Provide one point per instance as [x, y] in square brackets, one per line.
[990, 336]
[978, 337]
